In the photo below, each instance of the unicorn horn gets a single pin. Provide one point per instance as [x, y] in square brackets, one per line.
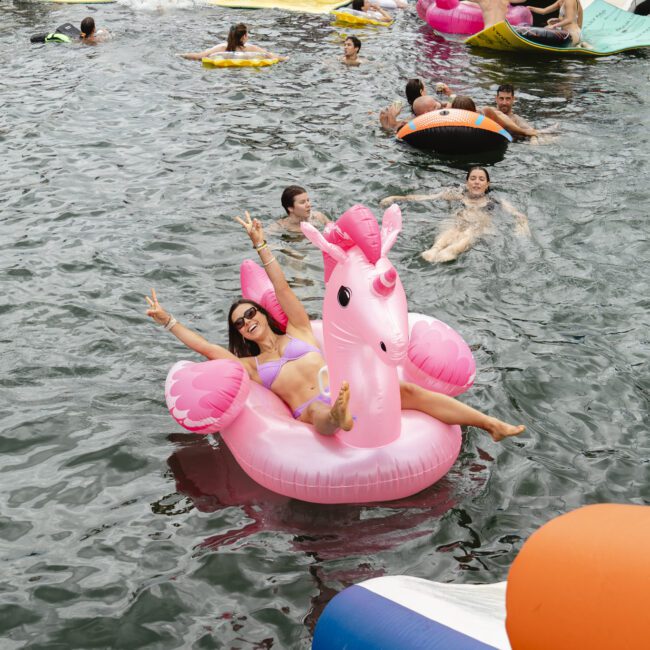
[384, 282]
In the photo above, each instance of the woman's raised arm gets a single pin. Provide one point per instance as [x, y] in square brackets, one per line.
[288, 300]
[185, 335]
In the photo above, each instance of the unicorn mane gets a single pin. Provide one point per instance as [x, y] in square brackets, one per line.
[355, 227]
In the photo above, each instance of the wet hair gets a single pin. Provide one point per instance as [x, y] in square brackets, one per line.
[236, 33]
[506, 88]
[357, 5]
[480, 169]
[464, 102]
[414, 89]
[355, 41]
[87, 26]
[237, 344]
[289, 195]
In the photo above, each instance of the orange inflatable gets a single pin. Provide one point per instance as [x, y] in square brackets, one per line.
[454, 131]
[583, 581]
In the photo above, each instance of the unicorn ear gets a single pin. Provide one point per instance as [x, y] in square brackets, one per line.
[320, 242]
[391, 226]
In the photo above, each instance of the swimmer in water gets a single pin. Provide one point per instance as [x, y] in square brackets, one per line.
[237, 42]
[297, 205]
[388, 116]
[471, 221]
[91, 35]
[374, 11]
[351, 47]
[415, 88]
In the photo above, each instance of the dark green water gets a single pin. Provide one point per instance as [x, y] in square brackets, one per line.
[121, 169]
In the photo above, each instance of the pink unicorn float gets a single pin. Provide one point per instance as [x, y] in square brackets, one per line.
[369, 341]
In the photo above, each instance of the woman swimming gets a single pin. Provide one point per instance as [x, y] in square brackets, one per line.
[289, 364]
[90, 34]
[237, 42]
[471, 221]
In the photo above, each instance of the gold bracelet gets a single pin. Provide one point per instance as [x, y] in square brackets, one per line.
[259, 247]
[269, 262]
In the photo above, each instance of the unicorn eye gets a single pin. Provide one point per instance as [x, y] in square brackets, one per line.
[344, 296]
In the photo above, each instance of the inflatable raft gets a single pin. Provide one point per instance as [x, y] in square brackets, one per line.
[454, 131]
[581, 581]
[303, 6]
[606, 29]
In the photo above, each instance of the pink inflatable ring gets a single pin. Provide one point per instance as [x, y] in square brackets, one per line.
[370, 340]
[454, 17]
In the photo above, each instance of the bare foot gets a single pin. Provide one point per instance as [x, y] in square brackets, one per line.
[500, 430]
[429, 255]
[340, 411]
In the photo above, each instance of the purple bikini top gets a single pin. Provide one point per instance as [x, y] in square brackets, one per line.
[293, 350]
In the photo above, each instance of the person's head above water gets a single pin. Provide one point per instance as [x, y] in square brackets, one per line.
[87, 27]
[477, 181]
[358, 5]
[414, 89]
[505, 98]
[237, 37]
[464, 102]
[425, 104]
[351, 46]
[296, 203]
[248, 323]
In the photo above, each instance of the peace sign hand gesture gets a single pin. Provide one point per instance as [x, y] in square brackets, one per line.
[253, 228]
[155, 311]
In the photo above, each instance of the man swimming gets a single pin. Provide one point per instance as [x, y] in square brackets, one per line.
[504, 115]
[351, 47]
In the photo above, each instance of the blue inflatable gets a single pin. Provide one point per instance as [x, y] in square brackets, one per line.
[404, 613]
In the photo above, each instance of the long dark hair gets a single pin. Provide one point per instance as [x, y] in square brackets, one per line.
[87, 27]
[236, 33]
[414, 89]
[237, 344]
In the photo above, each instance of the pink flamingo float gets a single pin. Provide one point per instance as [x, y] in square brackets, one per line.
[370, 340]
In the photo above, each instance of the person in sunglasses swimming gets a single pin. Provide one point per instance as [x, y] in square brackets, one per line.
[289, 363]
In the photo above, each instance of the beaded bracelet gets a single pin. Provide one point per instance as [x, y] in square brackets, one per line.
[170, 323]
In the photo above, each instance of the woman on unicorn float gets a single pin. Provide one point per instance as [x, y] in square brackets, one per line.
[289, 364]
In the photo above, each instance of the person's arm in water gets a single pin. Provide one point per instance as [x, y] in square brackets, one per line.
[447, 194]
[197, 56]
[185, 335]
[521, 220]
[508, 123]
[293, 308]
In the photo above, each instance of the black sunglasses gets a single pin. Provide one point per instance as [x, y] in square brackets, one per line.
[249, 314]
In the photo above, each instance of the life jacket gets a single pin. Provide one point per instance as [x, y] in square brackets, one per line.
[65, 33]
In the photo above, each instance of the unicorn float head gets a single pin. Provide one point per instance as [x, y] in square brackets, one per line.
[365, 320]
